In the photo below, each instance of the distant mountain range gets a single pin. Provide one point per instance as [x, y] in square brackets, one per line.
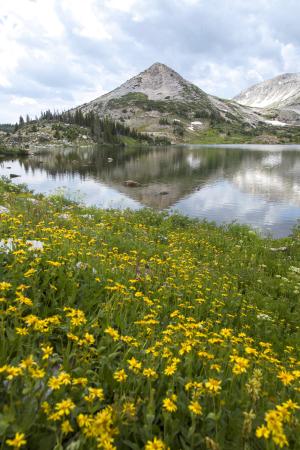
[280, 94]
[161, 104]
[159, 101]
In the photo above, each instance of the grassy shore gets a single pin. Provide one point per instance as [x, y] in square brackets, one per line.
[235, 134]
[12, 151]
[135, 330]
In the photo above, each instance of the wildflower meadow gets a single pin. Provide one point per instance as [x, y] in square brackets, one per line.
[140, 330]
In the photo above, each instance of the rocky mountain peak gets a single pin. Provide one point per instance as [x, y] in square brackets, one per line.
[158, 82]
[159, 66]
[161, 70]
[277, 92]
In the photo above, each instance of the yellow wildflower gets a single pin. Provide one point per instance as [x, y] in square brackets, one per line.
[262, 432]
[290, 404]
[13, 372]
[213, 385]
[149, 373]
[112, 333]
[156, 444]
[23, 300]
[5, 286]
[280, 439]
[18, 441]
[251, 351]
[170, 370]
[36, 372]
[83, 420]
[88, 339]
[240, 364]
[64, 407]
[129, 409]
[94, 393]
[169, 403]
[54, 263]
[66, 427]
[26, 363]
[195, 408]
[286, 377]
[21, 331]
[29, 273]
[47, 351]
[134, 364]
[120, 375]
[82, 381]
[62, 379]
[46, 408]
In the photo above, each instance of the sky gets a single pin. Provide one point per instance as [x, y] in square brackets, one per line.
[61, 53]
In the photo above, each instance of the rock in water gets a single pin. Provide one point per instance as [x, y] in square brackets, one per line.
[131, 183]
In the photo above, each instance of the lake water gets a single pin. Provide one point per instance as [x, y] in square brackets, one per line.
[257, 185]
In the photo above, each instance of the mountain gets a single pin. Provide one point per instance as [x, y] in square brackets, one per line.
[158, 82]
[159, 101]
[281, 94]
[163, 107]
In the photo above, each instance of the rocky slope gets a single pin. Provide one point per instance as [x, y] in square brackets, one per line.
[44, 134]
[158, 82]
[280, 95]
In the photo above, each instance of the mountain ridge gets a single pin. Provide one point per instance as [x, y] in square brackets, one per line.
[281, 92]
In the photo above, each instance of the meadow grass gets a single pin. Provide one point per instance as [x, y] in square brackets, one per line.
[12, 151]
[138, 330]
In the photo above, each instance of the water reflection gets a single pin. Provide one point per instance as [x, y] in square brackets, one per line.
[258, 185]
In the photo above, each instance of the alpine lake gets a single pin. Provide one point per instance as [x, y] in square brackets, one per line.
[257, 185]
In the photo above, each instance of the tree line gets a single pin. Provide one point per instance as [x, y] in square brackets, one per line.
[103, 129]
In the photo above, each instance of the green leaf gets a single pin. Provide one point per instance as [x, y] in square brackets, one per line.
[213, 416]
[4, 424]
[75, 445]
[58, 447]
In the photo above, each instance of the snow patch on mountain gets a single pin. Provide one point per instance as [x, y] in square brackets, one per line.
[196, 125]
[276, 123]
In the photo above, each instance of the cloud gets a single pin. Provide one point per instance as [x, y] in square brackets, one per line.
[291, 58]
[61, 53]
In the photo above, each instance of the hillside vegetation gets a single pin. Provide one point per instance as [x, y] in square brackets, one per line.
[71, 129]
[138, 330]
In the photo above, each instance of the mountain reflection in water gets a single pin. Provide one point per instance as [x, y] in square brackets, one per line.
[256, 185]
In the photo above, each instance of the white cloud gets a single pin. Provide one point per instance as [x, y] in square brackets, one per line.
[122, 5]
[59, 53]
[291, 58]
[89, 20]
[10, 50]
[23, 101]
